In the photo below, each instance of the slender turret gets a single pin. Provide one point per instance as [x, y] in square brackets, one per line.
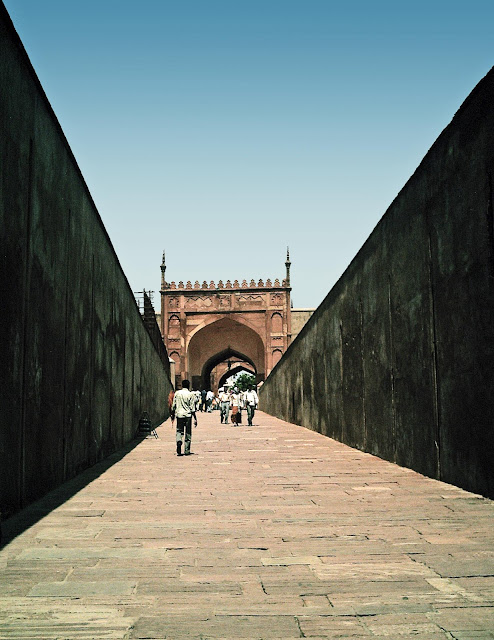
[163, 269]
[287, 265]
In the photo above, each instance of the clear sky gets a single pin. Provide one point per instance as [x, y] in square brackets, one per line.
[222, 131]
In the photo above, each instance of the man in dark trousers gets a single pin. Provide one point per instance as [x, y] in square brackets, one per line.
[251, 401]
[184, 407]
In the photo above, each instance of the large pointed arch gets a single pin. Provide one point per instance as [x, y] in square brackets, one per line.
[214, 320]
[226, 354]
[232, 372]
[218, 341]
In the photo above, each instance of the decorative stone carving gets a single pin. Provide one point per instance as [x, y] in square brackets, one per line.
[173, 326]
[276, 299]
[173, 302]
[253, 298]
[198, 301]
[224, 301]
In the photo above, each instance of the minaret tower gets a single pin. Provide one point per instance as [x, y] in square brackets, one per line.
[164, 300]
[287, 265]
[163, 269]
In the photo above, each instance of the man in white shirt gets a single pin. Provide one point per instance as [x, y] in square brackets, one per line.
[209, 401]
[224, 405]
[184, 406]
[251, 401]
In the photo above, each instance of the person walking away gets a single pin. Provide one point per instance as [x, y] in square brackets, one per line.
[224, 398]
[198, 399]
[251, 401]
[236, 406]
[203, 400]
[184, 406]
[209, 401]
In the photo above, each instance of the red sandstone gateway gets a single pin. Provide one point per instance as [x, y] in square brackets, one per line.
[206, 327]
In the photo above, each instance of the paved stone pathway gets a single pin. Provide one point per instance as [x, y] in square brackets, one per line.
[270, 531]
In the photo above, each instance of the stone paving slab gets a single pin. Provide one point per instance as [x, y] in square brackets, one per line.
[270, 531]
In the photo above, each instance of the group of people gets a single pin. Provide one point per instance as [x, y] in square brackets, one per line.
[205, 400]
[237, 400]
[184, 404]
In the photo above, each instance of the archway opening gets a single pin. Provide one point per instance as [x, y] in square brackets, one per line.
[219, 368]
[229, 376]
[221, 342]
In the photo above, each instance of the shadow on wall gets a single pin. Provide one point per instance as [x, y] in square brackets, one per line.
[78, 363]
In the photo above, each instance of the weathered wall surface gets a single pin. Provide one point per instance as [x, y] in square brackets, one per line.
[78, 365]
[300, 317]
[398, 359]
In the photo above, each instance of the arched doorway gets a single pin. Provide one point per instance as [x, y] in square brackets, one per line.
[223, 358]
[221, 381]
[220, 341]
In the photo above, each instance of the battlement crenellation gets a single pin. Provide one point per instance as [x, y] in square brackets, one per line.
[223, 286]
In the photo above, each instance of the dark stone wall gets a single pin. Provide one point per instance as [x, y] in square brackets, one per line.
[398, 358]
[78, 365]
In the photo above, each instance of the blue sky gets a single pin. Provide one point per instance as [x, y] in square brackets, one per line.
[222, 131]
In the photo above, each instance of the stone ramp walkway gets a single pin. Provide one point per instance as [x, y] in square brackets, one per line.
[266, 532]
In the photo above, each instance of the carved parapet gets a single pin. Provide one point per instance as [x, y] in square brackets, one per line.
[269, 284]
